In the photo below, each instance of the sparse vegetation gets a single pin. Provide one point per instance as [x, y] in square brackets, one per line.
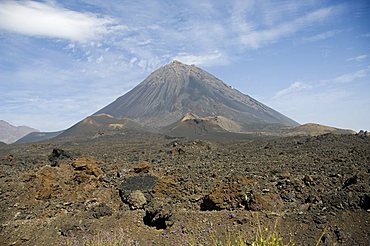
[101, 239]
[231, 237]
[271, 238]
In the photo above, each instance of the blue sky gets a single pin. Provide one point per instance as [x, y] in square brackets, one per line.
[61, 61]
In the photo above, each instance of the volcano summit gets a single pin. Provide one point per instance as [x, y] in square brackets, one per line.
[176, 89]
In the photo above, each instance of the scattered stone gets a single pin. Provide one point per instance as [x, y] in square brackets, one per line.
[265, 202]
[362, 133]
[242, 221]
[158, 214]
[57, 155]
[320, 219]
[100, 210]
[26, 238]
[210, 203]
[312, 199]
[227, 195]
[68, 229]
[176, 151]
[142, 167]
[326, 240]
[142, 183]
[9, 158]
[88, 165]
[287, 196]
[365, 202]
[168, 187]
[350, 181]
[308, 180]
[136, 200]
[339, 235]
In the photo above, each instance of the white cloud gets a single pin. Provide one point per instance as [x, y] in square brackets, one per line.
[239, 11]
[299, 86]
[214, 58]
[40, 19]
[321, 36]
[349, 77]
[358, 58]
[273, 11]
[259, 38]
[100, 59]
[293, 88]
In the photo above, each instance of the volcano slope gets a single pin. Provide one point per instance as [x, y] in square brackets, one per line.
[176, 89]
[148, 189]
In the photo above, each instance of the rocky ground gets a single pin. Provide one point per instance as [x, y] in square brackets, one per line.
[155, 190]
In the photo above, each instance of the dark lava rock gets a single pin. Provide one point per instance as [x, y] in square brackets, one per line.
[143, 183]
[58, 154]
[319, 219]
[362, 133]
[365, 202]
[339, 235]
[100, 210]
[158, 214]
[346, 200]
[308, 180]
[68, 229]
[209, 204]
[350, 181]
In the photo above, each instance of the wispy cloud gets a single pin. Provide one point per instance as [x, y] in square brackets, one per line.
[349, 77]
[293, 88]
[299, 86]
[40, 19]
[214, 58]
[259, 38]
[321, 36]
[358, 58]
[335, 101]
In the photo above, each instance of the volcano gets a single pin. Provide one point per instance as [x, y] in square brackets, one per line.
[176, 89]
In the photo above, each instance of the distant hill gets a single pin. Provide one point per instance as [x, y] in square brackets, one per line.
[34, 137]
[192, 125]
[312, 129]
[100, 125]
[90, 127]
[10, 134]
[175, 89]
